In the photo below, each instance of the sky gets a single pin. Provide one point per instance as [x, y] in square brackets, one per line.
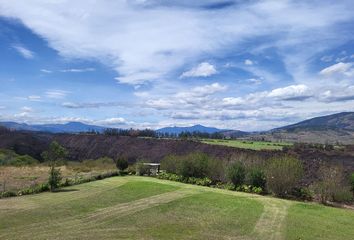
[247, 65]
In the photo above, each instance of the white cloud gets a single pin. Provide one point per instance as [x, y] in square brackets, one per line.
[248, 62]
[46, 71]
[204, 69]
[34, 98]
[194, 97]
[24, 52]
[56, 93]
[338, 68]
[146, 46]
[27, 109]
[112, 121]
[327, 58]
[78, 70]
[293, 92]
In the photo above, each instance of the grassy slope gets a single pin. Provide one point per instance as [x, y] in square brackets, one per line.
[255, 145]
[147, 208]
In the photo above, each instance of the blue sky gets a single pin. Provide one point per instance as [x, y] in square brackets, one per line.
[249, 65]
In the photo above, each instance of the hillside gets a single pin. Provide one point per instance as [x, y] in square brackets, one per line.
[341, 121]
[335, 128]
[70, 127]
[91, 146]
[148, 208]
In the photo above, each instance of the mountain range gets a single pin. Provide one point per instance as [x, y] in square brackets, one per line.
[331, 128]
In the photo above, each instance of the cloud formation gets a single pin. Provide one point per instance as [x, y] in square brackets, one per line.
[204, 69]
[24, 52]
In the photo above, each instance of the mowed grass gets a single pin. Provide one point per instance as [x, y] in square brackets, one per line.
[147, 208]
[254, 145]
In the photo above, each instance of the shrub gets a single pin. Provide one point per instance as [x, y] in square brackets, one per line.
[169, 163]
[352, 182]
[7, 194]
[256, 177]
[330, 181]
[303, 193]
[283, 174]
[236, 173]
[198, 165]
[54, 178]
[191, 180]
[343, 194]
[142, 169]
[131, 169]
[9, 157]
[121, 163]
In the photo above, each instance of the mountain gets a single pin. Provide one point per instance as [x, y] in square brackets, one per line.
[71, 127]
[195, 128]
[335, 128]
[339, 121]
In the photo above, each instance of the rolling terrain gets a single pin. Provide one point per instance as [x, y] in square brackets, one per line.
[92, 146]
[333, 129]
[148, 208]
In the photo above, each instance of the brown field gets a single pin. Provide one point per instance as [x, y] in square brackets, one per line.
[16, 178]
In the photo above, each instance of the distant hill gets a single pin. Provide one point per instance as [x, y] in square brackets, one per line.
[195, 128]
[339, 121]
[71, 127]
[335, 128]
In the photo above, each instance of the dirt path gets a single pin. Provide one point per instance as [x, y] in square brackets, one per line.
[271, 222]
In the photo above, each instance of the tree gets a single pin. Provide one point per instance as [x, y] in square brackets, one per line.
[331, 178]
[236, 173]
[121, 163]
[283, 174]
[54, 155]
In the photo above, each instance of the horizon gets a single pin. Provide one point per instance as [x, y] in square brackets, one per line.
[250, 66]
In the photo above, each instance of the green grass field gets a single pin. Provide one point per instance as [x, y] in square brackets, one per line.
[148, 208]
[254, 145]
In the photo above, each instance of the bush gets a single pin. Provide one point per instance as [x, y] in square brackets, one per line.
[9, 157]
[131, 169]
[343, 195]
[198, 165]
[54, 178]
[256, 177]
[142, 169]
[236, 173]
[7, 194]
[191, 180]
[303, 193]
[121, 163]
[352, 182]
[283, 174]
[330, 181]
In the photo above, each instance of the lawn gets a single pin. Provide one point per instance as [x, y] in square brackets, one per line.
[254, 145]
[147, 208]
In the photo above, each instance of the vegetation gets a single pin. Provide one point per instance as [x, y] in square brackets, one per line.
[10, 158]
[352, 182]
[330, 185]
[236, 173]
[198, 165]
[256, 177]
[53, 156]
[283, 174]
[121, 163]
[139, 207]
[254, 145]
[142, 169]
